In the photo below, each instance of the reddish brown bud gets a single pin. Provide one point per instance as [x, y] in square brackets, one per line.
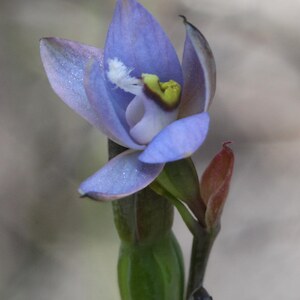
[214, 185]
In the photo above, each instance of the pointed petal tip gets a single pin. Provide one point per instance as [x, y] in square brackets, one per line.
[98, 197]
[46, 46]
[44, 41]
[46, 38]
[183, 18]
[226, 144]
[49, 41]
[82, 194]
[186, 22]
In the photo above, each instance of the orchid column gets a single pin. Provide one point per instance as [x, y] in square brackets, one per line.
[137, 93]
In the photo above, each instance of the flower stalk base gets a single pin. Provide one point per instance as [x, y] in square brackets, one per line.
[201, 248]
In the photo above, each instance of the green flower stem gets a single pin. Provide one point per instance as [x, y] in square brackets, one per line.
[150, 263]
[201, 248]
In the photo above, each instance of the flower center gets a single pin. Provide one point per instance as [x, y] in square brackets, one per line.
[154, 106]
[167, 94]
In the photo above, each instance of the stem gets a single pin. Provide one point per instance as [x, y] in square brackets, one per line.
[201, 248]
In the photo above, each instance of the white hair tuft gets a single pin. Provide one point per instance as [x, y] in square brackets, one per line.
[119, 75]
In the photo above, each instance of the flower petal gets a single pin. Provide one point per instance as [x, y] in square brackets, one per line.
[111, 116]
[154, 119]
[136, 39]
[178, 140]
[199, 71]
[65, 63]
[120, 177]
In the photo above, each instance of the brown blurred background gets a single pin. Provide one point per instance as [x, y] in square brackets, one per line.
[55, 246]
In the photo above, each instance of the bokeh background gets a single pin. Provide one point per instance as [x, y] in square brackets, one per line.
[55, 246]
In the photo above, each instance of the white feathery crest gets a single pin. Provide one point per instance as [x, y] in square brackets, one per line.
[119, 75]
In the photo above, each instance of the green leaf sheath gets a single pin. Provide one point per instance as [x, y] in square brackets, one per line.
[151, 271]
[143, 218]
[150, 263]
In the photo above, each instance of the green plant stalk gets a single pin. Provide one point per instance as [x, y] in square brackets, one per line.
[201, 248]
[150, 265]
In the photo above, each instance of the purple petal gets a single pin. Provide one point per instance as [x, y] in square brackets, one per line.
[120, 177]
[65, 63]
[178, 140]
[136, 39]
[111, 117]
[199, 71]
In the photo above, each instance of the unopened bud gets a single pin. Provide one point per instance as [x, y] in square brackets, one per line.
[214, 185]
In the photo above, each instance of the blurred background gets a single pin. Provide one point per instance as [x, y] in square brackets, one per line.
[54, 245]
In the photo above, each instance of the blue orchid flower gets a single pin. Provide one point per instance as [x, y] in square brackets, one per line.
[137, 93]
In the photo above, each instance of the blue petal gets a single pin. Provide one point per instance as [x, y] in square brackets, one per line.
[120, 177]
[136, 39]
[111, 117]
[65, 63]
[199, 71]
[178, 140]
